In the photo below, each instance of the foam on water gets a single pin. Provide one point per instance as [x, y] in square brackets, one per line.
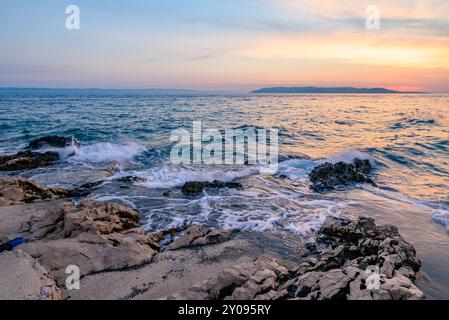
[301, 168]
[167, 176]
[102, 152]
[349, 157]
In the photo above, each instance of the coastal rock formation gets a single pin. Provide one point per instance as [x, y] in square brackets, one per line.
[327, 176]
[196, 235]
[15, 191]
[25, 160]
[195, 188]
[93, 236]
[25, 278]
[52, 141]
[29, 159]
[352, 259]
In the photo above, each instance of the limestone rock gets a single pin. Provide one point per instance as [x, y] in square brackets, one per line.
[17, 190]
[197, 235]
[93, 236]
[351, 260]
[327, 176]
[25, 278]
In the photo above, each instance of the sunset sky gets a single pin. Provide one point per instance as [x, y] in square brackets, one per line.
[225, 45]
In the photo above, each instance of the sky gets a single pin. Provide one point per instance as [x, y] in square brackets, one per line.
[236, 45]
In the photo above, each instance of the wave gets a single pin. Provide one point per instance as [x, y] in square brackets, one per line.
[101, 152]
[301, 168]
[166, 176]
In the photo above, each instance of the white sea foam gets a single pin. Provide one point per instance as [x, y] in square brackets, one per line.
[349, 157]
[297, 168]
[301, 168]
[172, 176]
[101, 152]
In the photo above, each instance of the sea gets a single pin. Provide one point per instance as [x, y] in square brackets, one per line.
[405, 137]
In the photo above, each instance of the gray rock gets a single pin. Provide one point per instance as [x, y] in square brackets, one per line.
[93, 236]
[327, 176]
[23, 278]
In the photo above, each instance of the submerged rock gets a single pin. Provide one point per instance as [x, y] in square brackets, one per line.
[352, 260]
[25, 160]
[327, 176]
[195, 188]
[14, 191]
[93, 236]
[52, 141]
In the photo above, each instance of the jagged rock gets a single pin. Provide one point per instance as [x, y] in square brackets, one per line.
[327, 176]
[197, 235]
[336, 269]
[243, 282]
[15, 191]
[27, 160]
[52, 141]
[131, 179]
[93, 236]
[194, 188]
[23, 278]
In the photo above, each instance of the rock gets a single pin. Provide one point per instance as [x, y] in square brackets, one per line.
[15, 191]
[93, 236]
[25, 160]
[244, 282]
[197, 235]
[336, 269]
[327, 176]
[131, 179]
[194, 188]
[23, 278]
[52, 141]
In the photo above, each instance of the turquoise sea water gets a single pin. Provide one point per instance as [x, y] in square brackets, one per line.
[405, 136]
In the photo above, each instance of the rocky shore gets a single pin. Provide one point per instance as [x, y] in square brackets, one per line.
[350, 259]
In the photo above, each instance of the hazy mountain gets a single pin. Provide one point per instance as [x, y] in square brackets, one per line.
[97, 91]
[324, 90]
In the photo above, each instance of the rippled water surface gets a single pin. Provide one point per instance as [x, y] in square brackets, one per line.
[405, 136]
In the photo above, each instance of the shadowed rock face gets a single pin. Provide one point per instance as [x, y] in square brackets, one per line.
[25, 160]
[334, 269]
[327, 176]
[52, 141]
[195, 188]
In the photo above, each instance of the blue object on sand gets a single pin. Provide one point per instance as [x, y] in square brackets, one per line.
[8, 246]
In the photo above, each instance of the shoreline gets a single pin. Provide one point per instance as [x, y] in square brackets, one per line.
[112, 251]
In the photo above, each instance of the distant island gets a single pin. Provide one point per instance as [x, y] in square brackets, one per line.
[326, 90]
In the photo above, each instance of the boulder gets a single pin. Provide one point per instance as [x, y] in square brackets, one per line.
[93, 236]
[53, 142]
[195, 188]
[26, 160]
[23, 278]
[327, 176]
[17, 190]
